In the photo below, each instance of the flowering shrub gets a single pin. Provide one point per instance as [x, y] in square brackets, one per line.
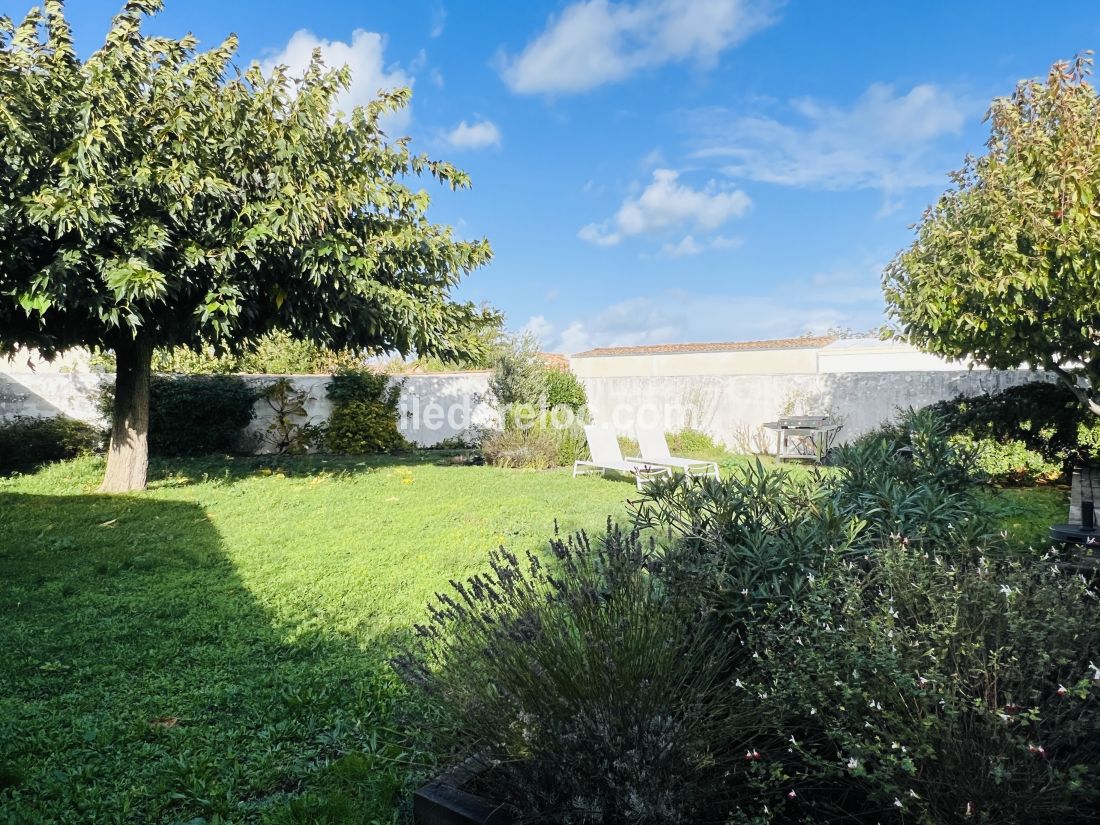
[940, 690]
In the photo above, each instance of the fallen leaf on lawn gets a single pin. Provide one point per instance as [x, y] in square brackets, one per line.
[165, 722]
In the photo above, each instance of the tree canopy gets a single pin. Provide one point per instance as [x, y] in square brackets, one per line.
[1005, 268]
[154, 195]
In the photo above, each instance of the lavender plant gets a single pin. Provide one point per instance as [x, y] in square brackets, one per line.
[588, 694]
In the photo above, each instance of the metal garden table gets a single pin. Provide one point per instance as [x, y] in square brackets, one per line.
[804, 437]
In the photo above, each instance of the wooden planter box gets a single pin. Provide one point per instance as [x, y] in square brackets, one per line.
[443, 801]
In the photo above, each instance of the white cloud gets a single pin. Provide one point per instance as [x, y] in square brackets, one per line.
[844, 296]
[439, 21]
[885, 140]
[677, 316]
[688, 245]
[539, 327]
[667, 203]
[477, 135]
[594, 42]
[364, 56]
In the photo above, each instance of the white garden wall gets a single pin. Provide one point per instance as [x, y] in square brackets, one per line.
[433, 407]
[730, 408]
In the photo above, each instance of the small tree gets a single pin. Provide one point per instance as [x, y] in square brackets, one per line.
[518, 374]
[1005, 269]
[155, 196]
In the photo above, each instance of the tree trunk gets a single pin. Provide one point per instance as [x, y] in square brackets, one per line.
[128, 456]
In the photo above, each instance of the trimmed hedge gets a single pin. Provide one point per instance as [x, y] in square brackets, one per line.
[27, 443]
[195, 414]
[364, 413]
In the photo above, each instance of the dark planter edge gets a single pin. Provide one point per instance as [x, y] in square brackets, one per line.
[442, 801]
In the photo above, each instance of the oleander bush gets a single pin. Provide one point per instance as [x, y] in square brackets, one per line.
[911, 479]
[27, 443]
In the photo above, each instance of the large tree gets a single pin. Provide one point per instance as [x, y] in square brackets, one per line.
[1005, 268]
[154, 195]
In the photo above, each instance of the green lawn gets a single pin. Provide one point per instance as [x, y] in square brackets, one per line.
[215, 649]
[208, 648]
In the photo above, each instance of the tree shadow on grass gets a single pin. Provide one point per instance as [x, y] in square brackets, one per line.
[142, 681]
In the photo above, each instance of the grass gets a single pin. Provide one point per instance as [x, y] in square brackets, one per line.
[1028, 512]
[214, 649]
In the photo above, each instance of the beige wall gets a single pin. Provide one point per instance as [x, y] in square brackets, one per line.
[749, 362]
[870, 355]
[846, 356]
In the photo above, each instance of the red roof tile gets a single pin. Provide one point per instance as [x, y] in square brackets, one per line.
[806, 342]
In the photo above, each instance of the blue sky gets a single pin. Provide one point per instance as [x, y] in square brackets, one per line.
[654, 171]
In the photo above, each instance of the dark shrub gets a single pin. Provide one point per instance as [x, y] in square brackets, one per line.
[26, 443]
[1026, 431]
[592, 697]
[855, 646]
[198, 414]
[364, 414]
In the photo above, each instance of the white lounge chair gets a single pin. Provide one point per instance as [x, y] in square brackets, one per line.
[603, 444]
[654, 449]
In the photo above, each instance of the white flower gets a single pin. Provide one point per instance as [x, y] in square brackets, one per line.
[897, 803]
[853, 763]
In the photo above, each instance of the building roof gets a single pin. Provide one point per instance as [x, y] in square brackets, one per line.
[806, 342]
[555, 360]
